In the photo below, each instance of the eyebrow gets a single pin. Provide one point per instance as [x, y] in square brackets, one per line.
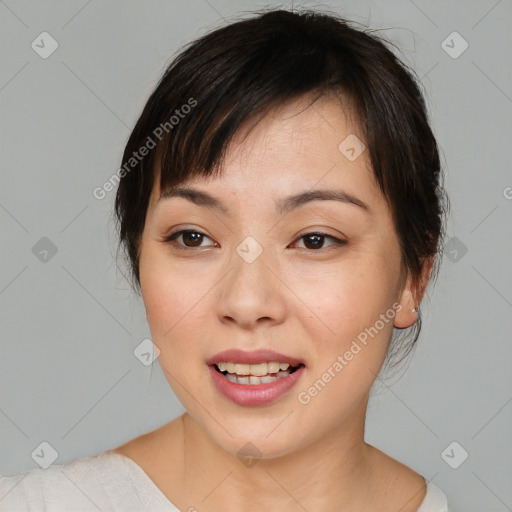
[283, 206]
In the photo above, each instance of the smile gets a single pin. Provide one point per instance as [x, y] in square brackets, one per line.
[252, 390]
[255, 374]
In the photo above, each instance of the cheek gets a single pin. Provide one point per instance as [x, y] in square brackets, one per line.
[347, 298]
[351, 330]
[176, 301]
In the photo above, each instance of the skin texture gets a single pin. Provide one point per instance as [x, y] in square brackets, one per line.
[310, 304]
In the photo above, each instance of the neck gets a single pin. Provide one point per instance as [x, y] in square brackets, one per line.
[331, 473]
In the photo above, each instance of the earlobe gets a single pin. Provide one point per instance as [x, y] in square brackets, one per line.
[411, 297]
[408, 314]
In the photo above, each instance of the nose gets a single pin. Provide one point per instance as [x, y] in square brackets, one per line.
[252, 294]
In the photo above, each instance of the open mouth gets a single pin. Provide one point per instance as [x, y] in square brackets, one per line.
[254, 374]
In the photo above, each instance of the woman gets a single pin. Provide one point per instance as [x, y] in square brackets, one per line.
[281, 208]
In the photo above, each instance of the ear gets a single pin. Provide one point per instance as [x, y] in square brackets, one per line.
[412, 295]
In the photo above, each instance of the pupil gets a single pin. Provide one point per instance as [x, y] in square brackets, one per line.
[318, 240]
[195, 236]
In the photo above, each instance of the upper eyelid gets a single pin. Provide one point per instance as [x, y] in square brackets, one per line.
[180, 232]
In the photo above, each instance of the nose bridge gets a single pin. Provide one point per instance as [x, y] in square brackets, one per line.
[250, 274]
[251, 291]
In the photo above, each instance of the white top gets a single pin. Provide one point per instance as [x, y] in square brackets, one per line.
[108, 481]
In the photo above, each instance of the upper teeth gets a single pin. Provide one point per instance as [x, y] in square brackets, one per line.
[257, 370]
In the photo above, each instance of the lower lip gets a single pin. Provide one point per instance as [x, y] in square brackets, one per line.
[254, 394]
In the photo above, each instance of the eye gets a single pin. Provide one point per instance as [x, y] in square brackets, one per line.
[315, 240]
[192, 238]
[188, 236]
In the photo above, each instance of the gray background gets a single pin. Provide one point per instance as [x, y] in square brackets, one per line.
[70, 323]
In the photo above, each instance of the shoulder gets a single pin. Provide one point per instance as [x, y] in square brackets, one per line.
[411, 491]
[85, 483]
[151, 450]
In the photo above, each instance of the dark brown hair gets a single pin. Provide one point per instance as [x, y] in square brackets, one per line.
[246, 68]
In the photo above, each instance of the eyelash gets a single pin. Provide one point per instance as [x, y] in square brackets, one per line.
[173, 236]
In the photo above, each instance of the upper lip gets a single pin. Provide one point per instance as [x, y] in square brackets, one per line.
[235, 355]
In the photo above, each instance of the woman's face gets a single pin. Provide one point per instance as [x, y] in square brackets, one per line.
[246, 277]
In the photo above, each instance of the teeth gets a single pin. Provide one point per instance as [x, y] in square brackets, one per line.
[273, 367]
[252, 380]
[239, 369]
[257, 370]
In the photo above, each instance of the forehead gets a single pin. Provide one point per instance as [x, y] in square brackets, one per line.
[307, 125]
[298, 146]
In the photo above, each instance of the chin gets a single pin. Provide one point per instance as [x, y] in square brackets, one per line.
[264, 438]
[258, 447]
